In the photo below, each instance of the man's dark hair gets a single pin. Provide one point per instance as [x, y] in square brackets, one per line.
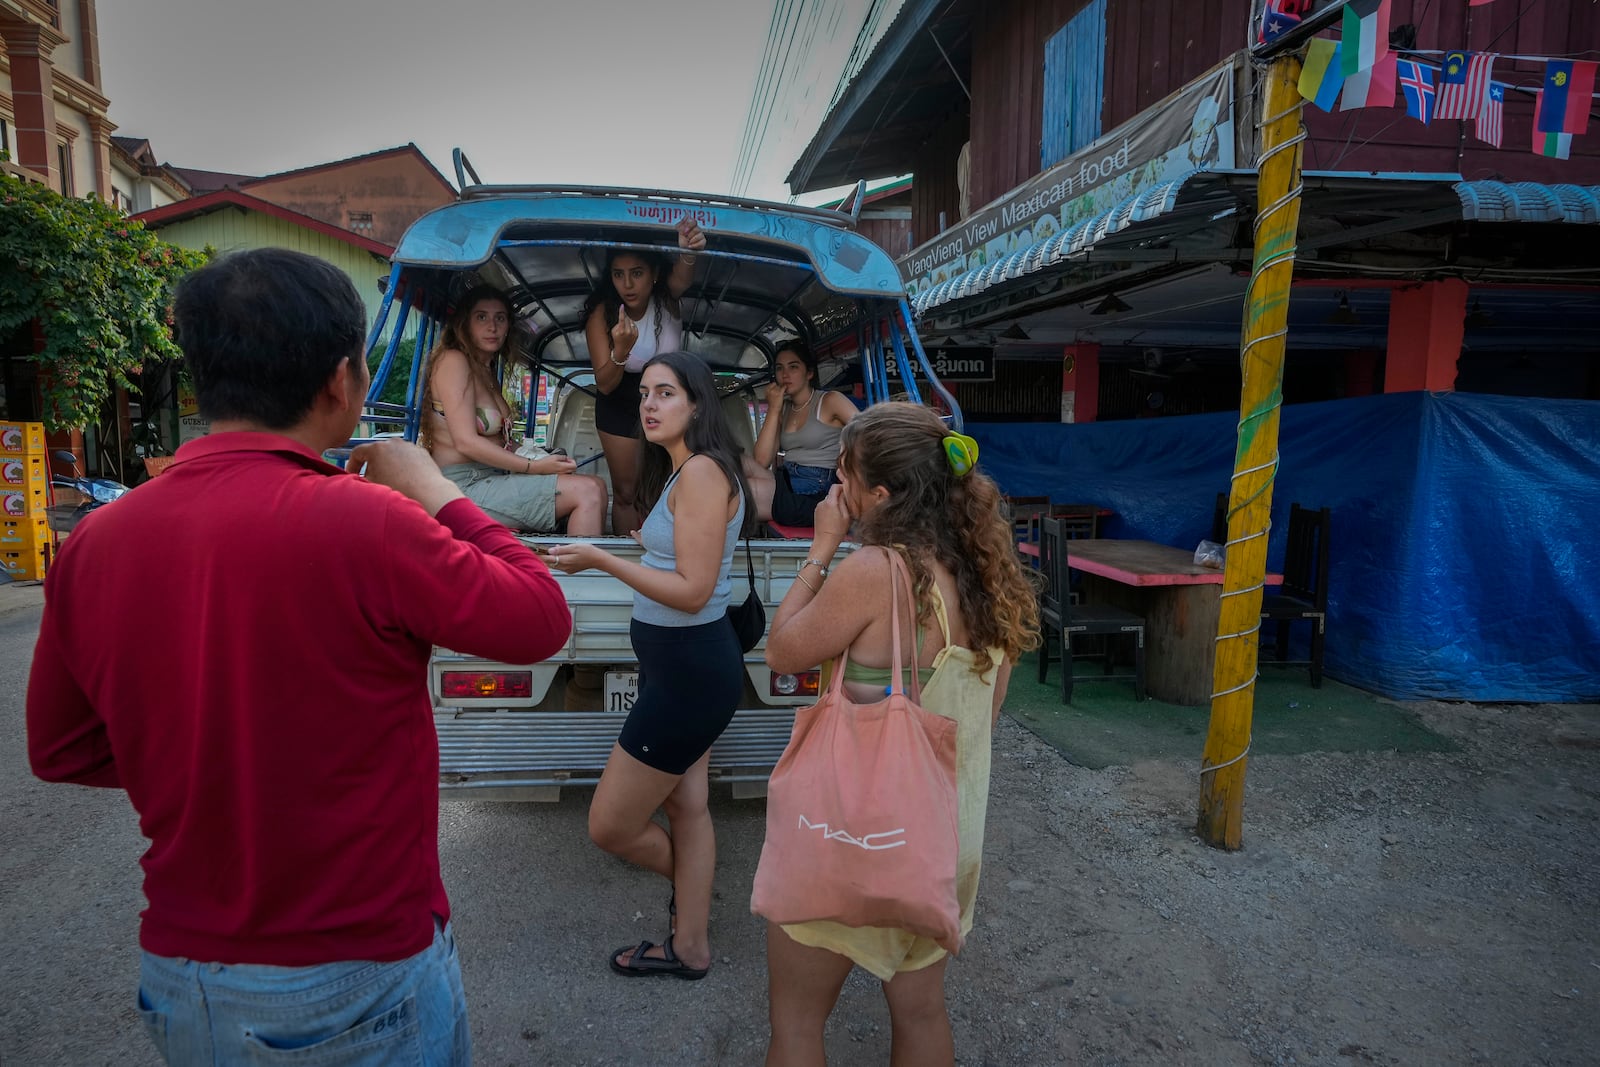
[263, 330]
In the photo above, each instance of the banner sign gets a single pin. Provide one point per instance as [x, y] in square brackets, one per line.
[1191, 130]
[952, 365]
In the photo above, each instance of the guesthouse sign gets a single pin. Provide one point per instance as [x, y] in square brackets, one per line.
[1193, 129]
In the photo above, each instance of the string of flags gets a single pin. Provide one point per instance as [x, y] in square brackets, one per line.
[1358, 70]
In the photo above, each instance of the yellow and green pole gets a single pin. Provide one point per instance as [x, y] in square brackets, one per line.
[1255, 463]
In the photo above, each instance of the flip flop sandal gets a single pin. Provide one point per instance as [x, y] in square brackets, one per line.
[642, 966]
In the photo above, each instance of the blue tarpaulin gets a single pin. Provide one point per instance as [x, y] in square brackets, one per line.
[1465, 558]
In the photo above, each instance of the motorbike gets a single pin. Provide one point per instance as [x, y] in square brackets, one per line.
[92, 493]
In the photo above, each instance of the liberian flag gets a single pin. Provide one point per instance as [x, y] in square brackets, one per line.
[1373, 87]
[1365, 38]
[1416, 81]
[1464, 85]
[1555, 145]
[1320, 80]
[1491, 121]
[1568, 85]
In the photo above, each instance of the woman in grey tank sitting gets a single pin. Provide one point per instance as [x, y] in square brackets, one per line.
[797, 451]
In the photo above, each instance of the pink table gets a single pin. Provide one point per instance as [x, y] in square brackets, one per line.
[1179, 601]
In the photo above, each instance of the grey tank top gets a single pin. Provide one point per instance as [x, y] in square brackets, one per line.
[815, 443]
[660, 554]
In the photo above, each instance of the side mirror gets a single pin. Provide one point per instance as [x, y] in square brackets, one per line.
[61, 455]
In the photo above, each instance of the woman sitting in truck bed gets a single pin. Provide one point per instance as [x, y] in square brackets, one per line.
[467, 426]
[797, 451]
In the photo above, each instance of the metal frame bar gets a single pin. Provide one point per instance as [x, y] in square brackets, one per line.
[907, 377]
[477, 191]
[957, 419]
[387, 365]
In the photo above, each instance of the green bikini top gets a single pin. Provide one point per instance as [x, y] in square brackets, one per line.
[855, 671]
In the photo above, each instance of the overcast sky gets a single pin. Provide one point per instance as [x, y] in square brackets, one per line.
[610, 92]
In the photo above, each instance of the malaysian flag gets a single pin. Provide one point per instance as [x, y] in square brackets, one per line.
[1464, 85]
[1491, 120]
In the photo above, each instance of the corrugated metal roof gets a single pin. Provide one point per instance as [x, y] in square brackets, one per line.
[1154, 202]
[1528, 202]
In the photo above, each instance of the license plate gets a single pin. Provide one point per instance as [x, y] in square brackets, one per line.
[622, 689]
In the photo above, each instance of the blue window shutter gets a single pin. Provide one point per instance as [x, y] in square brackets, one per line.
[1074, 84]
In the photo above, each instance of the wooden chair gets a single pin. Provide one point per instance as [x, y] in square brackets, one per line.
[1304, 593]
[1057, 613]
[1077, 520]
[1024, 513]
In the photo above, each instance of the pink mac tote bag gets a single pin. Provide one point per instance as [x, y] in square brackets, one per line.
[861, 811]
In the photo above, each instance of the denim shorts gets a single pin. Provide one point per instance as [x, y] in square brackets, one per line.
[809, 481]
[358, 1014]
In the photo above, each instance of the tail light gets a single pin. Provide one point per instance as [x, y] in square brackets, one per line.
[804, 684]
[469, 685]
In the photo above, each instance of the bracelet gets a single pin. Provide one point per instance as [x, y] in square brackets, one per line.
[689, 257]
[801, 578]
[822, 567]
[612, 356]
[527, 465]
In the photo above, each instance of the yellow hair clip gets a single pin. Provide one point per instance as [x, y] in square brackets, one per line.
[962, 453]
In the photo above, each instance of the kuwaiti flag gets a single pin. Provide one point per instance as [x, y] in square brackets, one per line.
[1416, 82]
[1320, 80]
[1555, 145]
[1491, 120]
[1568, 86]
[1365, 38]
[1464, 85]
[1373, 87]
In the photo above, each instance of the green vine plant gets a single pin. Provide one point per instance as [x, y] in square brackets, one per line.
[100, 289]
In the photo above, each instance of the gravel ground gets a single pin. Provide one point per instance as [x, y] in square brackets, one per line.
[1422, 909]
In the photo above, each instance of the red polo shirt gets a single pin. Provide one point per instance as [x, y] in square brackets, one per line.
[242, 644]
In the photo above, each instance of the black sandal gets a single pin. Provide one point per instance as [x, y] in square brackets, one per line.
[642, 966]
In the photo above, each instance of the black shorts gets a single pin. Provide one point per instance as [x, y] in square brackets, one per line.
[617, 412]
[690, 682]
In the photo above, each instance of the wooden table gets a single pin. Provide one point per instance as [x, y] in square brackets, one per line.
[1179, 602]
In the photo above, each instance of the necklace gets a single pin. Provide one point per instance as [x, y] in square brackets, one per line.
[801, 409]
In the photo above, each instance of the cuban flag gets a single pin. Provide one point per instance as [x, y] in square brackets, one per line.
[1491, 121]
[1416, 81]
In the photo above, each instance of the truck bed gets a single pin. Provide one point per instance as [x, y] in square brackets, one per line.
[562, 732]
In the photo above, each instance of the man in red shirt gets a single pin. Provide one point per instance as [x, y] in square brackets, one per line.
[280, 748]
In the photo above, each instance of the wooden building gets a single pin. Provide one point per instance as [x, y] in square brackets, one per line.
[1083, 184]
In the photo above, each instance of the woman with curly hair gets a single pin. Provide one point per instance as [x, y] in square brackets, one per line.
[632, 315]
[909, 486]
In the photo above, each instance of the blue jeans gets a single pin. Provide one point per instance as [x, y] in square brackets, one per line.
[357, 1014]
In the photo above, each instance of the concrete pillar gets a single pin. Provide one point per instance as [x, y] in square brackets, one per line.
[1425, 328]
[1080, 382]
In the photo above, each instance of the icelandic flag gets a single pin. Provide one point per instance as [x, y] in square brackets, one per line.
[1555, 145]
[1464, 85]
[1416, 81]
[1568, 86]
[1491, 122]
[1320, 80]
[1365, 34]
[1373, 87]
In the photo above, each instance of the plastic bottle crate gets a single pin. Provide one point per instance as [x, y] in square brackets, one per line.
[26, 564]
[25, 533]
[25, 502]
[16, 471]
[22, 439]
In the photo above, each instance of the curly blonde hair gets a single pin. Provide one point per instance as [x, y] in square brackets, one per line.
[933, 515]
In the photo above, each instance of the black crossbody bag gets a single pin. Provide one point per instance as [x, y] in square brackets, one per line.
[750, 618]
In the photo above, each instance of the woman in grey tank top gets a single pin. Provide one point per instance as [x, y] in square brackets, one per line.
[691, 668]
[797, 450]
